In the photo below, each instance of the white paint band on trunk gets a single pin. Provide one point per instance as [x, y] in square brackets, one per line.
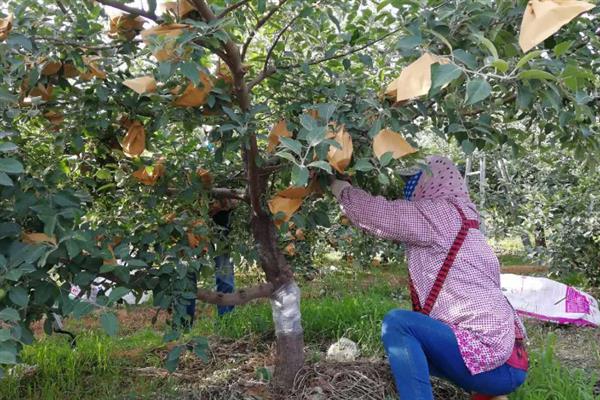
[285, 305]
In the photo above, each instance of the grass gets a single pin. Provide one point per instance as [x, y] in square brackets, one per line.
[341, 303]
[549, 380]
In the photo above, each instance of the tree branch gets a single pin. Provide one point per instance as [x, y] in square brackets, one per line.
[224, 193]
[232, 8]
[63, 10]
[268, 71]
[73, 43]
[259, 25]
[239, 297]
[130, 10]
[343, 54]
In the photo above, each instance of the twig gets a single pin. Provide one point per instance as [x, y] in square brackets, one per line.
[277, 37]
[130, 10]
[343, 54]
[74, 43]
[64, 10]
[232, 8]
[259, 25]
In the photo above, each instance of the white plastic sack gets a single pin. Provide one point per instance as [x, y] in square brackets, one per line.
[548, 300]
[104, 284]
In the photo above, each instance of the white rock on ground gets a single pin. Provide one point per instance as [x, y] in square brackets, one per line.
[343, 350]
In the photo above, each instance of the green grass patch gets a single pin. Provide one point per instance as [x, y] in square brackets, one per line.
[549, 380]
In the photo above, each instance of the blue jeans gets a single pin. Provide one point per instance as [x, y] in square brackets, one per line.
[419, 346]
[225, 283]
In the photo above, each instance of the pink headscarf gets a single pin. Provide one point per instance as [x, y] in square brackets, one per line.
[442, 180]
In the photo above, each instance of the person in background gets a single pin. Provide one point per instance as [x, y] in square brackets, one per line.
[461, 328]
[224, 275]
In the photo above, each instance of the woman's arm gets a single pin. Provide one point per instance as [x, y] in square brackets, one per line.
[398, 220]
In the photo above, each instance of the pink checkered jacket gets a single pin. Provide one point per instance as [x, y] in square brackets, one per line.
[471, 301]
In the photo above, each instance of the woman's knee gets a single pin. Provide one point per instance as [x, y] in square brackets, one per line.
[396, 322]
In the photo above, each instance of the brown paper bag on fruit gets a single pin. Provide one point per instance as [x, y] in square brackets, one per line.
[37, 238]
[167, 34]
[339, 159]
[387, 140]
[195, 96]
[149, 176]
[134, 142]
[279, 130]
[543, 18]
[141, 85]
[415, 79]
[180, 8]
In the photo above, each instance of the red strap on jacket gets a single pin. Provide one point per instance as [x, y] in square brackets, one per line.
[443, 272]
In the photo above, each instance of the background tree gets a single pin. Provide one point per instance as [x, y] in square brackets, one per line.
[136, 152]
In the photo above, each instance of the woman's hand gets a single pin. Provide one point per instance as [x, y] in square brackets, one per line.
[337, 185]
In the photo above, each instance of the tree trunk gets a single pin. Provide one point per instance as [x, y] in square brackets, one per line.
[285, 304]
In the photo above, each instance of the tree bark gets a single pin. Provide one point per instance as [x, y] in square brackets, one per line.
[285, 305]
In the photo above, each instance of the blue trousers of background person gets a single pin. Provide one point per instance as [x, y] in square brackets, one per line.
[419, 346]
[224, 275]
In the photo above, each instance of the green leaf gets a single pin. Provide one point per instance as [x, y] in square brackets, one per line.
[299, 175]
[477, 90]
[191, 71]
[8, 147]
[383, 179]
[294, 145]
[261, 5]
[441, 38]
[5, 180]
[117, 293]
[201, 347]
[316, 136]
[9, 314]
[489, 45]
[536, 74]
[82, 308]
[466, 58]
[409, 42]
[173, 358]
[528, 57]
[8, 357]
[386, 158]
[18, 296]
[442, 74]
[326, 110]
[109, 323]
[287, 156]
[16, 40]
[562, 48]
[11, 166]
[467, 146]
[500, 65]
[364, 165]
[308, 122]
[524, 97]
[375, 128]
[322, 165]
